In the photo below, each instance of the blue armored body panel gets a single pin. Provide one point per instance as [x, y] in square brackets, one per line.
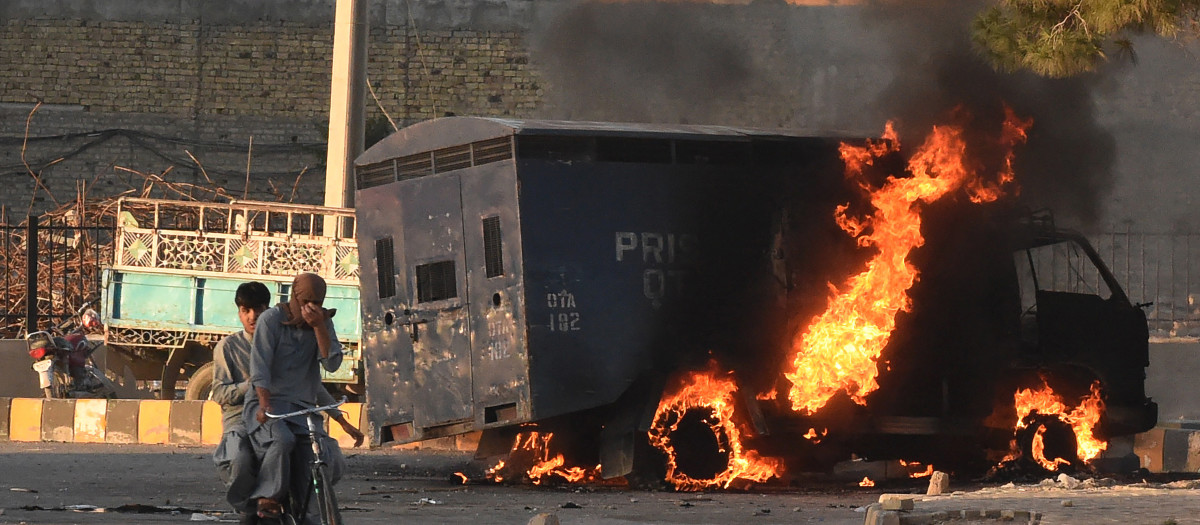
[514, 271]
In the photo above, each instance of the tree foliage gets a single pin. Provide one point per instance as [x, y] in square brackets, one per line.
[1061, 38]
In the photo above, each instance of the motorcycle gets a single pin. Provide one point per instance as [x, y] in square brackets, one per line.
[63, 361]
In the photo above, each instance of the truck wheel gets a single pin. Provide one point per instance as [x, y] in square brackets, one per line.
[200, 383]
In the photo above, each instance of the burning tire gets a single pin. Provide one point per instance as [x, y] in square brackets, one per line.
[695, 428]
[1050, 435]
[700, 445]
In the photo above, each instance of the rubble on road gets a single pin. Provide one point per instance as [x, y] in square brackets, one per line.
[939, 483]
[544, 518]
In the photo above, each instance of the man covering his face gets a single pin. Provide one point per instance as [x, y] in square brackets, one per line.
[292, 342]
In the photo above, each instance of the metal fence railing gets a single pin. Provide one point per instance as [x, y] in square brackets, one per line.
[1158, 268]
[64, 274]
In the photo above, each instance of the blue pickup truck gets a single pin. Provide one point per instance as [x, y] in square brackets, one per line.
[168, 293]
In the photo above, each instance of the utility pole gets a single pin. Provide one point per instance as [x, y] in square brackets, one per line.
[346, 111]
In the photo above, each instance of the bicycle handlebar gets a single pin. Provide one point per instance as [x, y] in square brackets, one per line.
[304, 411]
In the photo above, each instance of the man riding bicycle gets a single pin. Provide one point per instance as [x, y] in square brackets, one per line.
[237, 465]
[291, 341]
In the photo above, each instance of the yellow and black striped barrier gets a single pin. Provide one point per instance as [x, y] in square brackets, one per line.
[146, 421]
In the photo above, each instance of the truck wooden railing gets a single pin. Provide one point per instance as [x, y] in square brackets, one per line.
[242, 239]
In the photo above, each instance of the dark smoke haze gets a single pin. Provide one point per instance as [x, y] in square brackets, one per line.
[828, 69]
[1067, 163]
[645, 62]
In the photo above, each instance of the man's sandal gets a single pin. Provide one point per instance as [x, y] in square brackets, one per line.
[269, 508]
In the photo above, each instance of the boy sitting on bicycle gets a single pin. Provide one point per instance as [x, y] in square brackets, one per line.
[231, 381]
[289, 343]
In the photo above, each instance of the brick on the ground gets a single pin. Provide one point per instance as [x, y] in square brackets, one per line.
[545, 518]
[896, 502]
[922, 518]
[877, 516]
[939, 483]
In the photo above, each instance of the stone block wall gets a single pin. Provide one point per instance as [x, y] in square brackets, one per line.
[123, 98]
[100, 154]
[426, 74]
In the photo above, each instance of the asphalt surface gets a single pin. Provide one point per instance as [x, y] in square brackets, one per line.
[81, 483]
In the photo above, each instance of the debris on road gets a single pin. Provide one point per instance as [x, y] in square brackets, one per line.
[131, 508]
[1068, 482]
[896, 502]
[939, 483]
[85, 508]
[544, 518]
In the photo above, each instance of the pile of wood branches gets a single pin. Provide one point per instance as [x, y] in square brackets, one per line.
[73, 242]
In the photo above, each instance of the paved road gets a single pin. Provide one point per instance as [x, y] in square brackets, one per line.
[414, 487]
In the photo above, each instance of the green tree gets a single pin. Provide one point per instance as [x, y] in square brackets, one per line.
[1061, 38]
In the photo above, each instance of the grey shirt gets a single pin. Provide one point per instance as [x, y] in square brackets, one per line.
[285, 360]
[231, 374]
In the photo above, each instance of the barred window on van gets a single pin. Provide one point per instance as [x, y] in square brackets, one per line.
[436, 282]
[385, 267]
[493, 252]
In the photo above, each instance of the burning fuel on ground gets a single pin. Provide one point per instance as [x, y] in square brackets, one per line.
[531, 457]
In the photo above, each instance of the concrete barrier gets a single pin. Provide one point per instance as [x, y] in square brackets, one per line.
[58, 420]
[4, 405]
[1174, 445]
[1169, 380]
[25, 419]
[121, 421]
[91, 416]
[210, 424]
[19, 378]
[146, 421]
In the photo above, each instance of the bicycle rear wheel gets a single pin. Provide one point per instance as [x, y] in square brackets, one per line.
[326, 498]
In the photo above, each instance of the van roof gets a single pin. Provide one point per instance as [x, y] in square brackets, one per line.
[447, 132]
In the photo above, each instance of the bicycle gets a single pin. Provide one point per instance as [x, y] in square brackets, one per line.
[322, 487]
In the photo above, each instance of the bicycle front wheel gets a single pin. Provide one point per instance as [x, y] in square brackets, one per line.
[326, 498]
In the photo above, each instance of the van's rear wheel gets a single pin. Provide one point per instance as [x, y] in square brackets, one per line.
[200, 384]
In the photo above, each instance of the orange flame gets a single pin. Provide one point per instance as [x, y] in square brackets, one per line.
[840, 348]
[708, 390]
[866, 482]
[812, 435]
[536, 446]
[496, 473]
[1038, 449]
[911, 465]
[1082, 418]
[462, 476]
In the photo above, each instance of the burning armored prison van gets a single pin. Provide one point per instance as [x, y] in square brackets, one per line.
[579, 277]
